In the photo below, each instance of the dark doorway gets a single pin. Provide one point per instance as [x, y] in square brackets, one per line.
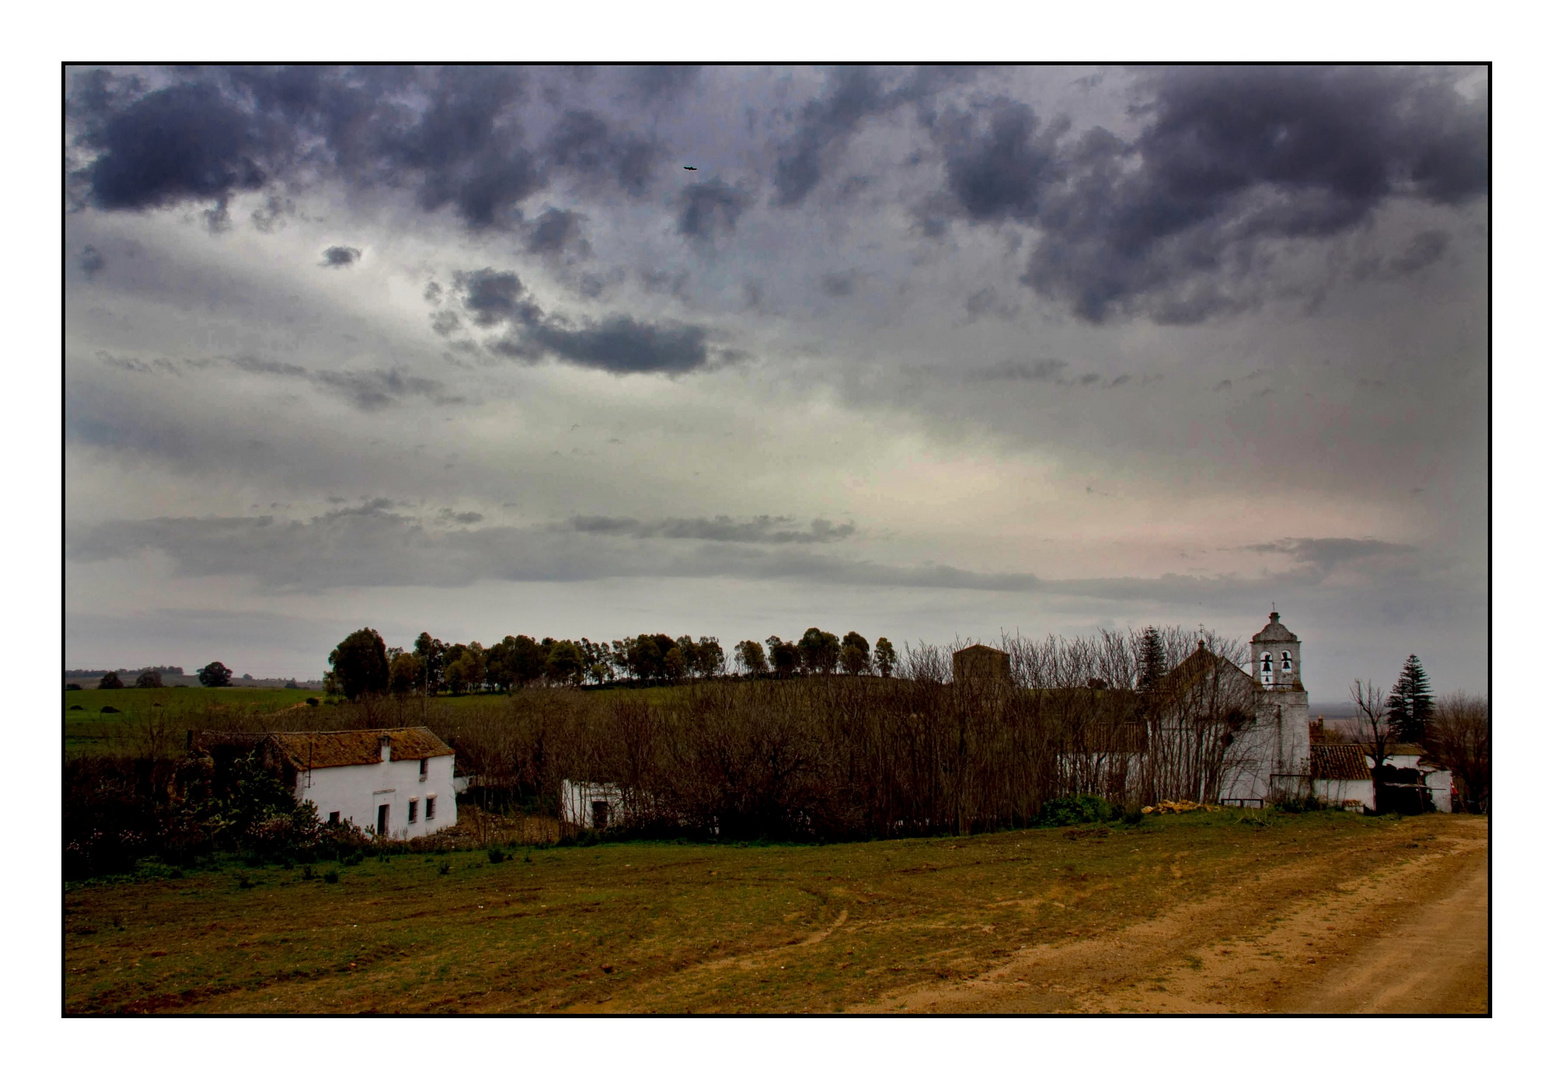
[601, 815]
[383, 820]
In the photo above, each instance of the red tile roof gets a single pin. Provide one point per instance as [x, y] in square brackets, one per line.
[1345, 761]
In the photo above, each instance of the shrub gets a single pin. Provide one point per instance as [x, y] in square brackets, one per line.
[1075, 810]
[443, 869]
[331, 877]
[495, 854]
[75, 708]
[313, 701]
[308, 873]
[108, 709]
[110, 681]
[73, 686]
[1298, 804]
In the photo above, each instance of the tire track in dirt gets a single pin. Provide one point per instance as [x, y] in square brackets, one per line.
[1411, 936]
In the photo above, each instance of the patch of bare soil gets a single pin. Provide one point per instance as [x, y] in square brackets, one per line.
[1410, 937]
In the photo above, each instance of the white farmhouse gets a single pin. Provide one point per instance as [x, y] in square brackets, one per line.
[392, 782]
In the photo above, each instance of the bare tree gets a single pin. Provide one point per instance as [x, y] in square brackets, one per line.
[1376, 734]
[1458, 737]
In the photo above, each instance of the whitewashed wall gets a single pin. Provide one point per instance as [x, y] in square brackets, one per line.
[356, 791]
[577, 802]
[1338, 792]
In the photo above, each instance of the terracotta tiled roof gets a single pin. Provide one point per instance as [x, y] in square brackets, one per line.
[328, 749]
[1345, 761]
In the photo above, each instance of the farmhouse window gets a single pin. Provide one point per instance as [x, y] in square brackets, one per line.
[334, 817]
[423, 770]
[431, 807]
[412, 811]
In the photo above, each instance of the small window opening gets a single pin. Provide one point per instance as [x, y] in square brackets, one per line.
[334, 817]
[423, 768]
[413, 809]
[431, 807]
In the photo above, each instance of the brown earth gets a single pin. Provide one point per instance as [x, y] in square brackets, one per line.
[1252, 912]
[1410, 937]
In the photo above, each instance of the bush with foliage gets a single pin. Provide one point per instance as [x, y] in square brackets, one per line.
[1075, 810]
[110, 681]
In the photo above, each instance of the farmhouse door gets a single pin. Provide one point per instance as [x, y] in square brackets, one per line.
[383, 827]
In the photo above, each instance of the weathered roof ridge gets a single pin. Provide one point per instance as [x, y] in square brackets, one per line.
[331, 749]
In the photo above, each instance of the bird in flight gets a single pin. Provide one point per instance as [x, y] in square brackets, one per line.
[689, 168]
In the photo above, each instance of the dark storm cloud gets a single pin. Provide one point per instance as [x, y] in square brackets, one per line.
[340, 256]
[454, 137]
[583, 143]
[623, 345]
[183, 142]
[710, 209]
[491, 296]
[556, 232]
[826, 123]
[620, 344]
[763, 529]
[1176, 224]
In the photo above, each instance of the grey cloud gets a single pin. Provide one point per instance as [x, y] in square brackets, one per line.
[986, 301]
[839, 283]
[620, 344]
[556, 232]
[368, 390]
[829, 121]
[90, 261]
[1177, 224]
[624, 345]
[491, 296]
[710, 209]
[583, 143]
[1047, 370]
[1425, 248]
[1324, 554]
[664, 82]
[372, 547]
[454, 137]
[339, 256]
[763, 529]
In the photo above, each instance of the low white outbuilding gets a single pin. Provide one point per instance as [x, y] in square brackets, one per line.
[392, 782]
[1341, 776]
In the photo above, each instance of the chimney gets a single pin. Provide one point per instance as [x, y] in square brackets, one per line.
[383, 748]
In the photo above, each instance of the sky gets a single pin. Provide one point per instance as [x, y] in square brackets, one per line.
[928, 353]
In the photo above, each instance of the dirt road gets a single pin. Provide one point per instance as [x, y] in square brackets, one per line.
[1410, 938]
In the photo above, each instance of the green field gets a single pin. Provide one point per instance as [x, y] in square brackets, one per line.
[88, 729]
[668, 927]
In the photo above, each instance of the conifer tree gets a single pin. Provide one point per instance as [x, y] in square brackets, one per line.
[1151, 653]
[1410, 706]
